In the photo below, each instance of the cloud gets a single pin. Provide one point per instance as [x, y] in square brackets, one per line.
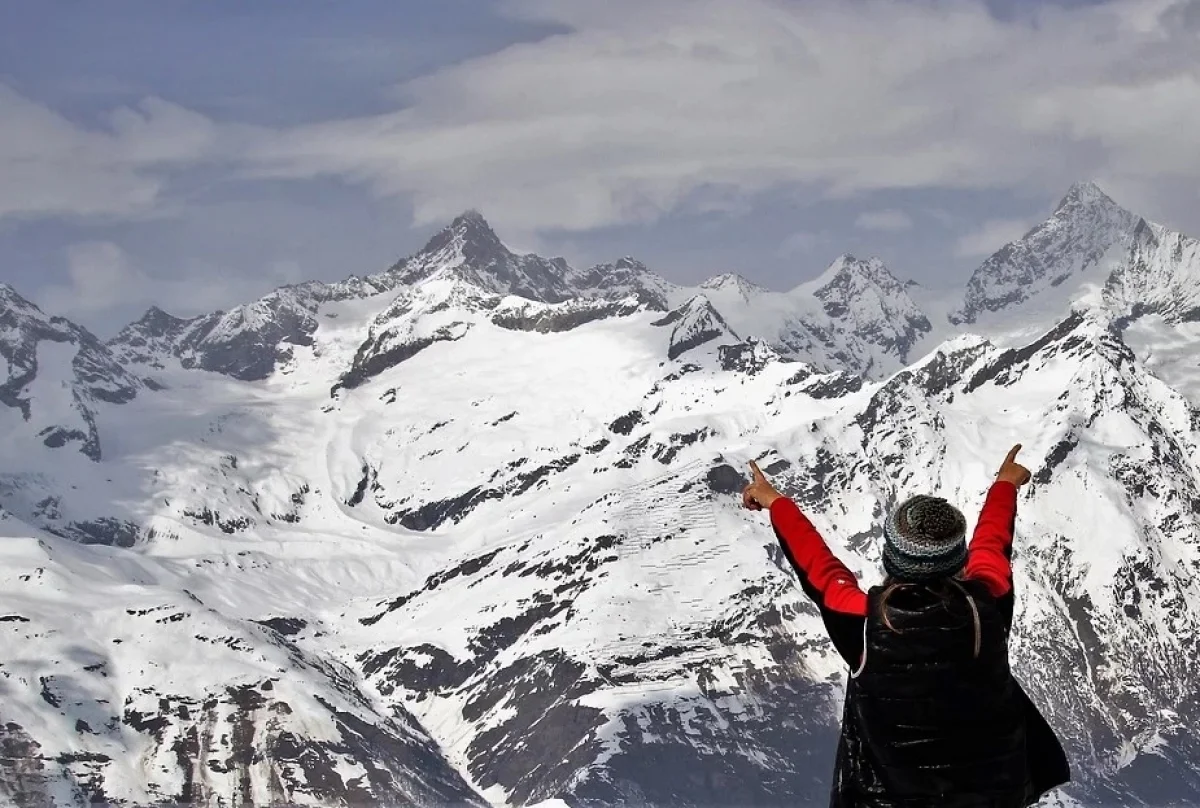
[891, 221]
[989, 237]
[642, 107]
[636, 109]
[801, 242]
[52, 166]
[103, 278]
[942, 216]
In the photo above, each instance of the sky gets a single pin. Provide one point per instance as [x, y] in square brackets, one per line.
[196, 155]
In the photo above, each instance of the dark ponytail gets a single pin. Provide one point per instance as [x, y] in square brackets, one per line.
[942, 590]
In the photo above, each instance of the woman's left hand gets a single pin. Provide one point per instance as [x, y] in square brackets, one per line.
[759, 494]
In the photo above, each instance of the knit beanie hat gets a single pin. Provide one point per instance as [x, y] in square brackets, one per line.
[925, 538]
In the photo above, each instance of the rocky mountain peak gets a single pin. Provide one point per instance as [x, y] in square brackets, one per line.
[11, 301]
[731, 281]
[55, 373]
[1160, 275]
[849, 270]
[1085, 226]
[630, 263]
[869, 301]
[472, 238]
[157, 322]
[1082, 195]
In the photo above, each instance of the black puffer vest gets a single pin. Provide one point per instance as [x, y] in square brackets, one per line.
[933, 717]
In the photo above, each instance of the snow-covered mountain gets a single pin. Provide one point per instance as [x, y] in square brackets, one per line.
[872, 310]
[466, 531]
[1160, 275]
[1058, 254]
[54, 373]
[858, 317]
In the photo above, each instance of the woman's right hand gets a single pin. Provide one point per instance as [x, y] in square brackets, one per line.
[1011, 471]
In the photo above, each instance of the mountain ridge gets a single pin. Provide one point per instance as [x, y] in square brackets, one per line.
[454, 544]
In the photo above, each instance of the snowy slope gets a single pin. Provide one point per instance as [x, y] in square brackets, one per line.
[127, 681]
[467, 531]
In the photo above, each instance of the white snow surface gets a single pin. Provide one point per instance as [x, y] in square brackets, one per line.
[513, 545]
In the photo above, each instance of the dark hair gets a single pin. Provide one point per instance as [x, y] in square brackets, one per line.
[941, 588]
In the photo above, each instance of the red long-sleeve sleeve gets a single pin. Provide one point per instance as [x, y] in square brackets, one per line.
[989, 557]
[830, 578]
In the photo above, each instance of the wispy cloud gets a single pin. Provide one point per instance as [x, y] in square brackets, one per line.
[645, 104]
[52, 166]
[989, 237]
[799, 243]
[891, 221]
[101, 277]
[640, 108]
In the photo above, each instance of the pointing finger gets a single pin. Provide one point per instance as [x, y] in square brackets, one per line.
[759, 477]
[1012, 454]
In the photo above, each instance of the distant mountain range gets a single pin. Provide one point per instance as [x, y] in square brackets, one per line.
[465, 531]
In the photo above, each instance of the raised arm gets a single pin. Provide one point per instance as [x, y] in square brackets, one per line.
[989, 558]
[824, 578]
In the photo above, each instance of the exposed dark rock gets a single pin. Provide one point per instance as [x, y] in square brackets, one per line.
[833, 386]
[598, 446]
[566, 317]
[625, 424]
[360, 491]
[865, 299]
[287, 626]
[665, 453]
[779, 466]
[371, 360]
[23, 776]
[624, 278]
[432, 515]
[695, 323]
[421, 669]
[1054, 459]
[208, 516]
[466, 568]
[725, 479]
[587, 560]
[479, 257]
[746, 357]
[1084, 226]
[539, 750]
[633, 452]
[104, 530]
